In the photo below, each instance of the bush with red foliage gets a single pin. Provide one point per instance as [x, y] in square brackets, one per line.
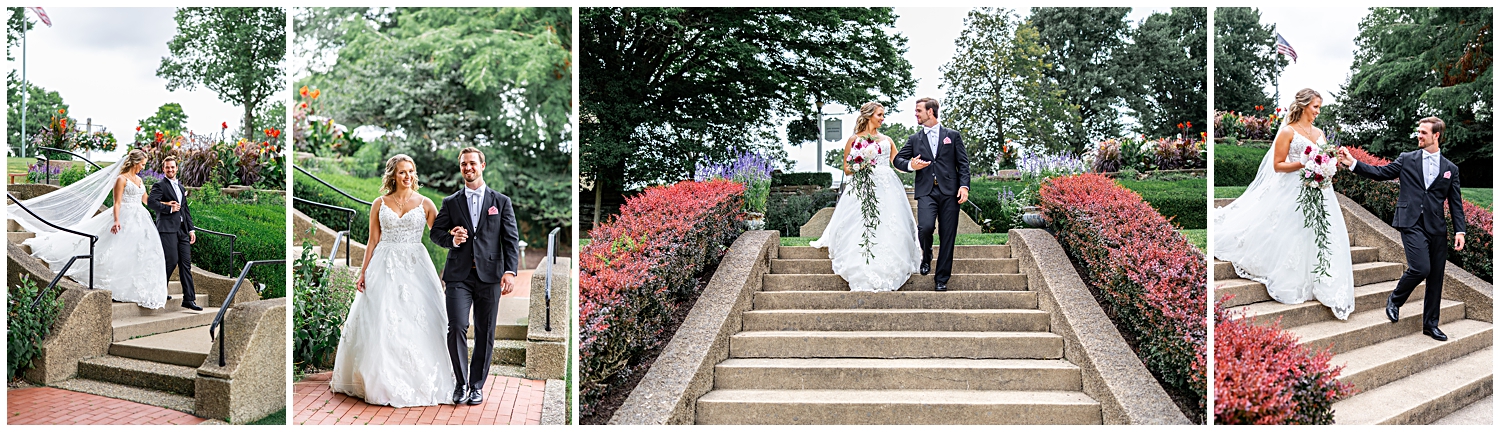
[640, 266]
[1263, 376]
[1379, 197]
[1150, 275]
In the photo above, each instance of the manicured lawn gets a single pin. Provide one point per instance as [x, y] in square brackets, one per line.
[17, 165]
[276, 418]
[1228, 191]
[1199, 238]
[963, 239]
[1483, 197]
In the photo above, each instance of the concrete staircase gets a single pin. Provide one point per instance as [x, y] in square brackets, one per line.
[811, 352]
[155, 353]
[1402, 376]
[819, 221]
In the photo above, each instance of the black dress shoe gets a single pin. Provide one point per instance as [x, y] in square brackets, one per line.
[191, 305]
[941, 287]
[460, 395]
[1435, 334]
[476, 397]
[926, 268]
[1391, 311]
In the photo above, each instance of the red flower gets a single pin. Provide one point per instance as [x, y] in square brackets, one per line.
[224, 125]
[1190, 125]
[1317, 177]
[137, 128]
[1179, 125]
[1307, 150]
[304, 91]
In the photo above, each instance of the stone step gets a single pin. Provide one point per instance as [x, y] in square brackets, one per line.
[917, 282]
[897, 374]
[131, 327]
[12, 226]
[506, 352]
[959, 252]
[502, 331]
[18, 237]
[1364, 254]
[895, 300]
[1371, 327]
[897, 320]
[156, 398]
[1480, 412]
[1223, 270]
[1379, 364]
[1366, 297]
[123, 309]
[187, 347]
[140, 373]
[1377, 272]
[1422, 397]
[970, 265]
[895, 344]
[889, 407]
[1245, 292]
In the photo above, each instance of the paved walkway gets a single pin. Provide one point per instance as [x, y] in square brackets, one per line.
[507, 400]
[53, 406]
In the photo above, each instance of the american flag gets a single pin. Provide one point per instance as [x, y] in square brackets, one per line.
[1283, 47]
[42, 15]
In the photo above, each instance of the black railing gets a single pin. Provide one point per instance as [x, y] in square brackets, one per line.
[551, 261]
[92, 239]
[232, 239]
[46, 162]
[219, 318]
[335, 188]
[341, 235]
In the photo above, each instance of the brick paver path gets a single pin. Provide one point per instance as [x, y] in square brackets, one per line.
[507, 400]
[53, 406]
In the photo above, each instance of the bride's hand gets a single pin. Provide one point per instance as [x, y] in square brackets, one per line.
[115, 229]
[360, 284]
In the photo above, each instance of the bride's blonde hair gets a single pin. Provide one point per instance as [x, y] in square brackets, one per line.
[865, 112]
[1304, 98]
[388, 181]
[133, 159]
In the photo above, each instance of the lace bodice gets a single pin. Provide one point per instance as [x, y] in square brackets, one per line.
[1297, 151]
[401, 228]
[132, 192]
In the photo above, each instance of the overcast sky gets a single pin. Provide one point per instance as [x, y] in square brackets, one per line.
[103, 61]
[1324, 40]
[930, 34]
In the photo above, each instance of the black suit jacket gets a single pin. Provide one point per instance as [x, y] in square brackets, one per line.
[950, 166]
[492, 246]
[167, 221]
[1415, 203]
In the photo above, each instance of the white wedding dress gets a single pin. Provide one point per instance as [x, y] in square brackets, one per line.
[895, 252]
[130, 263]
[392, 349]
[1262, 234]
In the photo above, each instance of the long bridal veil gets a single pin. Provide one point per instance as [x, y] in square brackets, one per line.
[69, 206]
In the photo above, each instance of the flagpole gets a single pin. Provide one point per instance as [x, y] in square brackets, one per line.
[24, 87]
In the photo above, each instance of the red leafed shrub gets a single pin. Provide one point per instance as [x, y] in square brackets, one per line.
[638, 268]
[1263, 376]
[1379, 197]
[1149, 274]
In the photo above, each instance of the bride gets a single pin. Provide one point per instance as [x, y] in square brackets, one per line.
[128, 255]
[391, 351]
[1262, 232]
[893, 254]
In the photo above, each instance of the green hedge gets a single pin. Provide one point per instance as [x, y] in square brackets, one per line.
[1184, 201]
[1236, 165]
[821, 179]
[261, 229]
[787, 213]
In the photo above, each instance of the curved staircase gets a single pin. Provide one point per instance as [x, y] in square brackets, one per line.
[1402, 376]
[811, 352]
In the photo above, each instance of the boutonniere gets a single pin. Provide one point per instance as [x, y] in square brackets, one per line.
[1447, 174]
[947, 140]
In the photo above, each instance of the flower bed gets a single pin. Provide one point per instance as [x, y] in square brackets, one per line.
[639, 267]
[1263, 376]
[1149, 275]
[1247, 126]
[1379, 197]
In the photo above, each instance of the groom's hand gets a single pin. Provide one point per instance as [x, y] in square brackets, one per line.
[172, 204]
[1458, 242]
[1345, 158]
[963, 195]
[917, 163]
[507, 283]
[460, 235]
[192, 237]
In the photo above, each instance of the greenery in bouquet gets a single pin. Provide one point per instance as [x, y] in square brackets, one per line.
[749, 169]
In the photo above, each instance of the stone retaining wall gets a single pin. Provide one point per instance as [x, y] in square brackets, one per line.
[252, 383]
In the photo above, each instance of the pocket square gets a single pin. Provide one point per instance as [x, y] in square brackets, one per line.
[1447, 174]
[947, 140]
[492, 211]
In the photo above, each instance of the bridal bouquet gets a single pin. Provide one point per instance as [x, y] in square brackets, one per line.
[861, 160]
[1318, 168]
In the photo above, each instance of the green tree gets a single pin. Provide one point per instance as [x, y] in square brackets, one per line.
[1245, 60]
[997, 89]
[1082, 45]
[663, 88]
[440, 79]
[272, 116]
[235, 52]
[14, 25]
[897, 131]
[1168, 63]
[169, 120]
[41, 106]
[1411, 63]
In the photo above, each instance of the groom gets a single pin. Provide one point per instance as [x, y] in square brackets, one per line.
[1427, 180]
[478, 228]
[941, 164]
[175, 225]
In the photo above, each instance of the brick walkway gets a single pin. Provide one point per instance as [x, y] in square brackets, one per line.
[52, 406]
[507, 400]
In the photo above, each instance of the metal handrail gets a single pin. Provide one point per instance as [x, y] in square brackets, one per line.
[219, 318]
[349, 226]
[92, 239]
[71, 153]
[551, 262]
[38, 300]
[232, 239]
[335, 188]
